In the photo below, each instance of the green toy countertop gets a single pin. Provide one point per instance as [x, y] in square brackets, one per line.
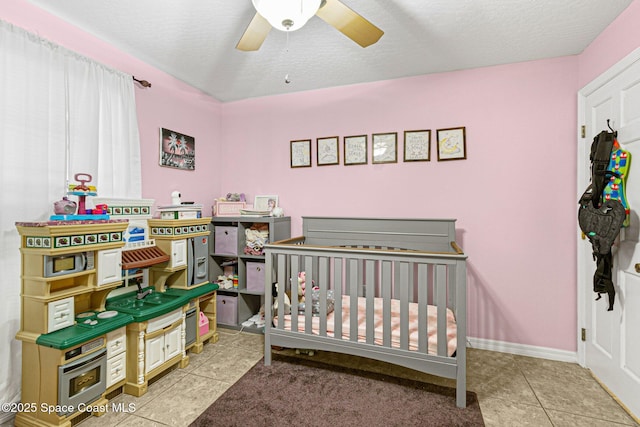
[74, 335]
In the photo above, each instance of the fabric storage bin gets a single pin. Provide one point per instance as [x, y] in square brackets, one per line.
[255, 276]
[226, 240]
[226, 309]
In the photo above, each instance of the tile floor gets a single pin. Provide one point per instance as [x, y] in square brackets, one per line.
[512, 390]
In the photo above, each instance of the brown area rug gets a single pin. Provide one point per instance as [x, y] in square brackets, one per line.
[304, 392]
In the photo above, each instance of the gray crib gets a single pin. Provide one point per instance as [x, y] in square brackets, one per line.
[388, 289]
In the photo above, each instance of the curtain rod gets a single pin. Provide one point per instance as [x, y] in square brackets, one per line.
[144, 83]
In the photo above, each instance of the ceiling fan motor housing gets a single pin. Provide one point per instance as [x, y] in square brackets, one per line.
[287, 15]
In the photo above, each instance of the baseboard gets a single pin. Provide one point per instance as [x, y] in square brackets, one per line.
[524, 350]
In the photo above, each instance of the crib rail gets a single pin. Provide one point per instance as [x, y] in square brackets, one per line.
[407, 276]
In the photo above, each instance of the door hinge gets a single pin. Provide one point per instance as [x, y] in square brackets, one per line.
[583, 334]
[583, 131]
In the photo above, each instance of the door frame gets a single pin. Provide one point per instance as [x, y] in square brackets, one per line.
[582, 182]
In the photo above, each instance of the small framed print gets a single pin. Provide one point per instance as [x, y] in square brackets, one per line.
[327, 151]
[301, 153]
[265, 203]
[417, 145]
[355, 150]
[452, 144]
[177, 150]
[385, 147]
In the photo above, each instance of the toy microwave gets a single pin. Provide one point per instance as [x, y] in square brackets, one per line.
[58, 265]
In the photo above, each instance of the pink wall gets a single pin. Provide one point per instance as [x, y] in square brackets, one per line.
[617, 41]
[169, 103]
[514, 197]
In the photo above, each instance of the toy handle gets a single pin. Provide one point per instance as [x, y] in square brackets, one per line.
[79, 177]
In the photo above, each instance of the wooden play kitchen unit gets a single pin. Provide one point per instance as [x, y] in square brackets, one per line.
[81, 346]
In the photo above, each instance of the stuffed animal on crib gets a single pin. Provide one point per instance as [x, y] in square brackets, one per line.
[302, 276]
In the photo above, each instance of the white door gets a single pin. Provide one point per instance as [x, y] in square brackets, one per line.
[172, 343]
[154, 353]
[178, 253]
[611, 348]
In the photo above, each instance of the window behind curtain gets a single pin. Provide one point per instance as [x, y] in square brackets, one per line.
[51, 98]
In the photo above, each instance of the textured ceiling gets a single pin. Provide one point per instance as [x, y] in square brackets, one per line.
[194, 40]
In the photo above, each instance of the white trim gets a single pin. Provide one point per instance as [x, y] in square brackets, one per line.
[583, 93]
[524, 350]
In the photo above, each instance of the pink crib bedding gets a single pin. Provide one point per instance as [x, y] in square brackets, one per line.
[432, 318]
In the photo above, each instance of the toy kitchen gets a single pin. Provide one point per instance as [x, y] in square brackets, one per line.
[110, 299]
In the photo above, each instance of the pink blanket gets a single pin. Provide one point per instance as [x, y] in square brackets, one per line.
[432, 330]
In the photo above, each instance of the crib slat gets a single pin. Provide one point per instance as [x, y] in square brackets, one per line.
[295, 268]
[441, 302]
[370, 286]
[423, 322]
[323, 284]
[338, 266]
[308, 303]
[386, 302]
[404, 305]
[353, 299]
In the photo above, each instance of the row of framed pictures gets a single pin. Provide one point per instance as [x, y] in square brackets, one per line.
[417, 148]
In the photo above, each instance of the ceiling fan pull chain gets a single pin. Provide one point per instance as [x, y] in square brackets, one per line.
[287, 80]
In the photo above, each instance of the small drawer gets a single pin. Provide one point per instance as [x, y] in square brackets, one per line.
[226, 306]
[226, 240]
[116, 342]
[116, 369]
[255, 276]
[60, 314]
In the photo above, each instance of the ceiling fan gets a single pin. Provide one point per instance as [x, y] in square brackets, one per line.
[290, 15]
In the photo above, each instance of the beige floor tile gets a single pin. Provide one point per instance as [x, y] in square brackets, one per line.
[500, 413]
[564, 419]
[569, 388]
[184, 401]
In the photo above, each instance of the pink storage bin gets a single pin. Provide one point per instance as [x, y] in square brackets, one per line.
[203, 324]
[226, 240]
[226, 309]
[255, 276]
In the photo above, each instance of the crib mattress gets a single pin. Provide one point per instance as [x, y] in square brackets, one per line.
[432, 329]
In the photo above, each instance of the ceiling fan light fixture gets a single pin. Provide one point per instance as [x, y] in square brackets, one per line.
[287, 15]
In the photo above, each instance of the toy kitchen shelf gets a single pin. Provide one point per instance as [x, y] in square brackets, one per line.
[227, 253]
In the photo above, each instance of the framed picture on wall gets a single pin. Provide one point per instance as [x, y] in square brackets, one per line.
[417, 145]
[355, 150]
[301, 153]
[327, 151]
[452, 144]
[177, 150]
[385, 147]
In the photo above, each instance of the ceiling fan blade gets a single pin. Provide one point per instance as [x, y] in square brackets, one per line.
[349, 23]
[255, 34]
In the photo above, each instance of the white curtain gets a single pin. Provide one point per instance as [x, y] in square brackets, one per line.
[50, 99]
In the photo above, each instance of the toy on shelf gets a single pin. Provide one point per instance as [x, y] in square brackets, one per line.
[65, 208]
